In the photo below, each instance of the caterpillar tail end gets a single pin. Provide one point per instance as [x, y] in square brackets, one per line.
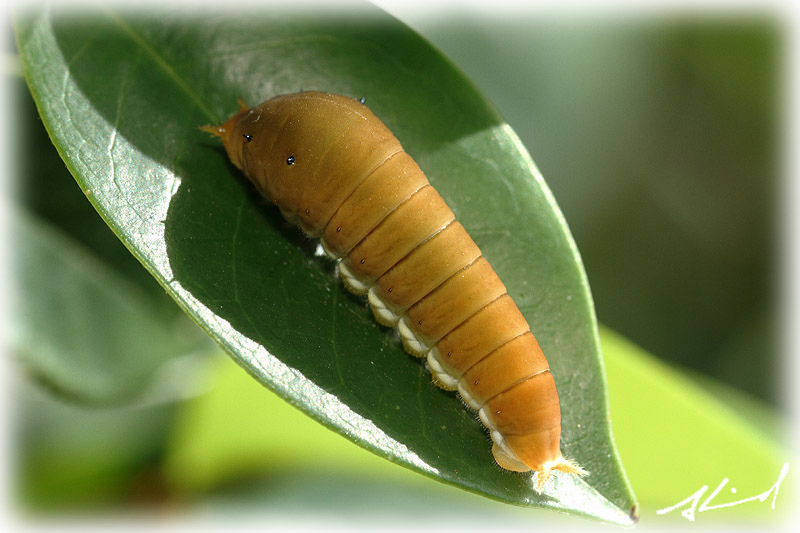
[561, 464]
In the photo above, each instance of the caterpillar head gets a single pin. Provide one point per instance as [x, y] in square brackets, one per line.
[225, 132]
[292, 147]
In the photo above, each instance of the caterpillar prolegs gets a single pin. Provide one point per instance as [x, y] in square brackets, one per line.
[335, 169]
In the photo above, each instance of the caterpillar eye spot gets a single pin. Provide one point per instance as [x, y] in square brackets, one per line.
[290, 160]
[247, 137]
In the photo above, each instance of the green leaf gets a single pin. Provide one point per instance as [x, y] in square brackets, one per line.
[702, 435]
[71, 457]
[276, 443]
[80, 328]
[279, 460]
[122, 97]
[89, 322]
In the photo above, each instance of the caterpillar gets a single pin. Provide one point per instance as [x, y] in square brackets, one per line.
[333, 168]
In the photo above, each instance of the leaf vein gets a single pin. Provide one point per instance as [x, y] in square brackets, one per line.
[162, 62]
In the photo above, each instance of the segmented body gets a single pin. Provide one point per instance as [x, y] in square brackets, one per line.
[335, 169]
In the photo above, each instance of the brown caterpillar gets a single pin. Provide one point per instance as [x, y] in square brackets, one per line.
[335, 169]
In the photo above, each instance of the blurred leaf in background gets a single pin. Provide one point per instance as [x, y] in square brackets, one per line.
[107, 355]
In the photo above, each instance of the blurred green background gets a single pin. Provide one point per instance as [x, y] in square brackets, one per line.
[659, 137]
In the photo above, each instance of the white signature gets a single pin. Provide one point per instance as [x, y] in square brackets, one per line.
[694, 505]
